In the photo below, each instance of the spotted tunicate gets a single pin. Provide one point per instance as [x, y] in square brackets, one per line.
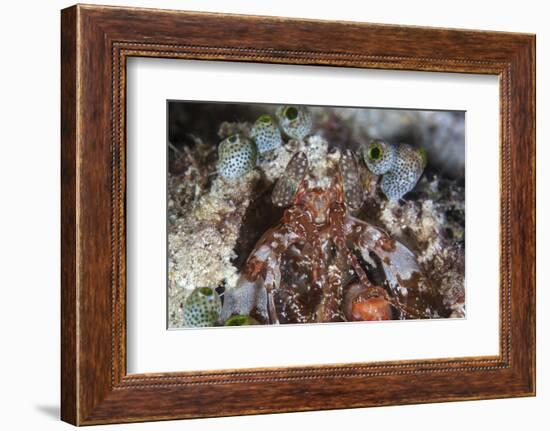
[241, 320]
[202, 308]
[266, 134]
[237, 156]
[295, 121]
[406, 171]
[379, 156]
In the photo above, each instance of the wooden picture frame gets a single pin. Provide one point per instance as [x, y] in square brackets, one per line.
[96, 41]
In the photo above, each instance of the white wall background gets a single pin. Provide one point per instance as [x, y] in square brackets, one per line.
[29, 214]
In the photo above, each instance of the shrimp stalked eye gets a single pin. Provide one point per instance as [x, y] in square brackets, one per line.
[295, 121]
[287, 185]
[237, 156]
[379, 156]
[266, 134]
[407, 169]
[351, 182]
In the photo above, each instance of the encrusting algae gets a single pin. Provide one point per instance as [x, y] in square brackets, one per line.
[279, 223]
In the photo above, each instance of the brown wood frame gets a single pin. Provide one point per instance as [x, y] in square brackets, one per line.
[95, 43]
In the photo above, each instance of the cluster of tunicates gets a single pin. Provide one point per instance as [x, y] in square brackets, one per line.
[238, 153]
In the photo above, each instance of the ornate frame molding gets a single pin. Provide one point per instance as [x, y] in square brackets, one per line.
[96, 41]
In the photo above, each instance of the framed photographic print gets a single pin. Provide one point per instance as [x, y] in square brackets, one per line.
[331, 214]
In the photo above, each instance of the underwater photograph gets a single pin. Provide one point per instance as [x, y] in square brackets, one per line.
[288, 214]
